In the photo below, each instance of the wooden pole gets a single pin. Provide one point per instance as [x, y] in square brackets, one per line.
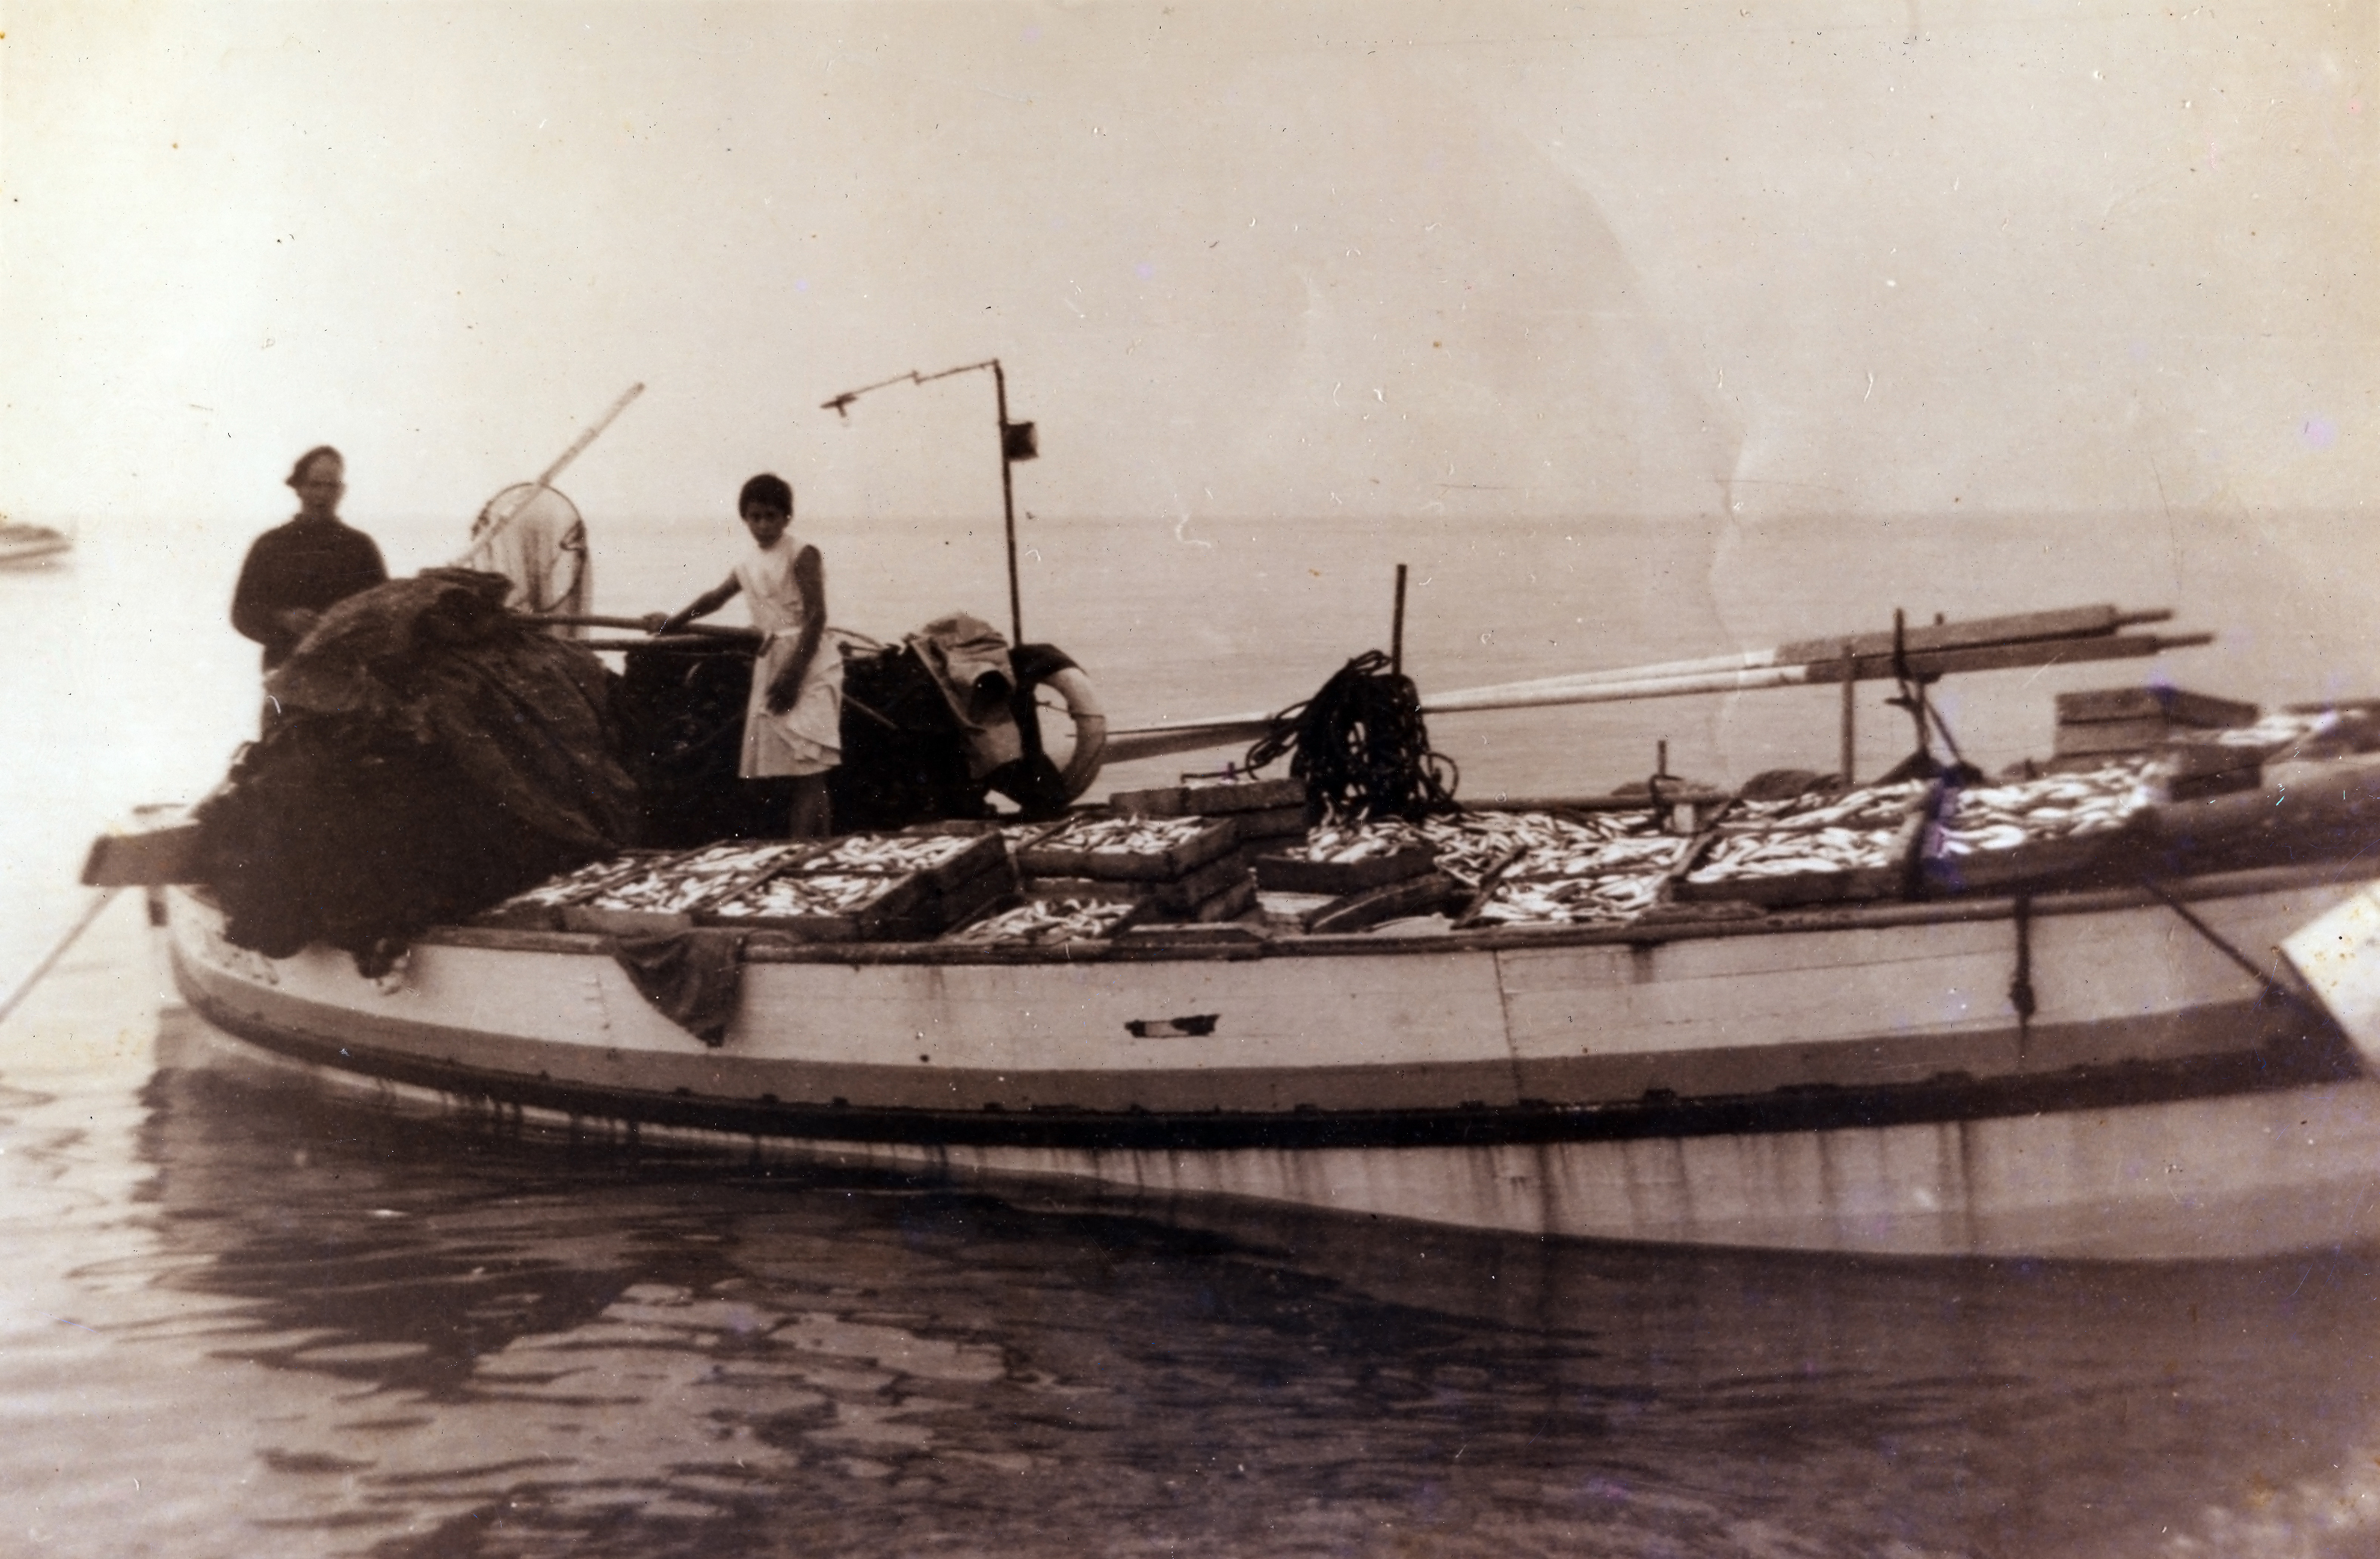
[1190, 736]
[1851, 729]
[57, 950]
[712, 631]
[2079, 622]
[496, 523]
[1008, 508]
[1863, 667]
[1397, 629]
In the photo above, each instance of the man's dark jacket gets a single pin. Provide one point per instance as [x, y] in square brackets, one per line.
[308, 564]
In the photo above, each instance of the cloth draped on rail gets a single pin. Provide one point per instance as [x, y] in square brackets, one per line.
[969, 659]
[694, 977]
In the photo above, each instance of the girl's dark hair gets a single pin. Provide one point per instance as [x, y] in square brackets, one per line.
[767, 488]
[297, 472]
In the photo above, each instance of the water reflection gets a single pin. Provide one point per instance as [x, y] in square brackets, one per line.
[388, 1337]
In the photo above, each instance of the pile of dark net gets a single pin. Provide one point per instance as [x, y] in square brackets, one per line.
[905, 754]
[432, 755]
[1361, 748]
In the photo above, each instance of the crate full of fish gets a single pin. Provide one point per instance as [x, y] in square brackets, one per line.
[961, 874]
[832, 906]
[1127, 849]
[1610, 900]
[1472, 847]
[1852, 849]
[1987, 838]
[944, 860]
[541, 908]
[873, 887]
[664, 892]
[1347, 858]
[1187, 896]
[1043, 922]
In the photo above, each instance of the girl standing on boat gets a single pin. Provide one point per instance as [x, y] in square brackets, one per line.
[792, 725]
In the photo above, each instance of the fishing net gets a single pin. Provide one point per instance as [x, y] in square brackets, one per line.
[906, 756]
[534, 537]
[681, 714]
[1361, 748]
[432, 755]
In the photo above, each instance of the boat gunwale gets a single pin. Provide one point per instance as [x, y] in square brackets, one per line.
[1227, 942]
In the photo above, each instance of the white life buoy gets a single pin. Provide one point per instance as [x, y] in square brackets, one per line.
[1090, 728]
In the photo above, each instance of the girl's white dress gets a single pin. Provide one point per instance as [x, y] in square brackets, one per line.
[806, 738]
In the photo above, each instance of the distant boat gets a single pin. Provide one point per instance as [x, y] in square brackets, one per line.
[24, 545]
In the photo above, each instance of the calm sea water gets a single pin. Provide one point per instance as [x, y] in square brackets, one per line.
[242, 1319]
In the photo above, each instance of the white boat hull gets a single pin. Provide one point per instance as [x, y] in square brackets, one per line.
[1853, 1080]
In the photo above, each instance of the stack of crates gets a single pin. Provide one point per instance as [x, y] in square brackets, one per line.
[2109, 722]
[2177, 728]
[1265, 814]
[1184, 868]
[859, 888]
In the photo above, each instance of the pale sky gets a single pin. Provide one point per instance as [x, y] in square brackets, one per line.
[1405, 262]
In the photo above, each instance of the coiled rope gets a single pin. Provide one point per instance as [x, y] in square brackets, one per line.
[1361, 748]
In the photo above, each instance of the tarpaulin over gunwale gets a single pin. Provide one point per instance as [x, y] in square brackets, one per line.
[432, 754]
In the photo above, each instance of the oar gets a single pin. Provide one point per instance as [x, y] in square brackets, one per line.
[24, 987]
[2030, 628]
[637, 625]
[1863, 668]
[1161, 740]
[497, 522]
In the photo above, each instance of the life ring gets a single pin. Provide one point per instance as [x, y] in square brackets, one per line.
[1090, 728]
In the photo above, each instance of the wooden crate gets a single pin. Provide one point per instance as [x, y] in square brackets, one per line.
[623, 923]
[970, 933]
[1222, 875]
[1425, 893]
[1292, 911]
[1220, 799]
[2036, 862]
[956, 904]
[850, 857]
[2109, 737]
[2120, 720]
[1235, 899]
[667, 887]
[541, 908]
[1051, 857]
[1855, 886]
[911, 905]
[903, 909]
[1295, 874]
[1272, 822]
[2194, 770]
[2171, 705]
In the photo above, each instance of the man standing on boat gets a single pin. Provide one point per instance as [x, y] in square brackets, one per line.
[297, 571]
[793, 724]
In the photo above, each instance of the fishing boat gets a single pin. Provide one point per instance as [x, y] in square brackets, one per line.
[2049, 1017]
[24, 545]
